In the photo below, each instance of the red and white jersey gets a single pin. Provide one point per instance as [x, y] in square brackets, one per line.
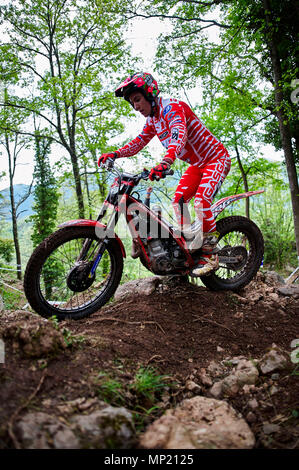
[180, 132]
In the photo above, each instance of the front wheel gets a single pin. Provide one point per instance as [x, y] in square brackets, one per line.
[241, 250]
[58, 281]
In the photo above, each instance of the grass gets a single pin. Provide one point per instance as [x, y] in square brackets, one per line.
[69, 338]
[142, 395]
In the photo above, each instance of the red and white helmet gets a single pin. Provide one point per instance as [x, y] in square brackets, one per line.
[140, 81]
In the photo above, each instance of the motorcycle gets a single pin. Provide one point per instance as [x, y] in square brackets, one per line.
[77, 269]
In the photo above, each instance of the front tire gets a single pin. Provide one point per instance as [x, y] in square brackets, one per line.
[54, 287]
[241, 238]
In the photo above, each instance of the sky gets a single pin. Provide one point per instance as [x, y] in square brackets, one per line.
[143, 38]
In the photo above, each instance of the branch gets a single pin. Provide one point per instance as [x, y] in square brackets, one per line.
[17, 131]
[176, 17]
[14, 105]
[203, 4]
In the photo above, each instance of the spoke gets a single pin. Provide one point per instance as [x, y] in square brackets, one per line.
[230, 242]
[62, 262]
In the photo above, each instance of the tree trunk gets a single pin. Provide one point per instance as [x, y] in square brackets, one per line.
[284, 126]
[15, 232]
[13, 213]
[78, 186]
[245, 182]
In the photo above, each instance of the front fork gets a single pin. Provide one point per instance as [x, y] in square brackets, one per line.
[105, 231]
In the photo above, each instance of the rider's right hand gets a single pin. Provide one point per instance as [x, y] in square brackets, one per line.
[104, 157]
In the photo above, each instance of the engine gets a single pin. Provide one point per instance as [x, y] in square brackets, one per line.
[165, 255]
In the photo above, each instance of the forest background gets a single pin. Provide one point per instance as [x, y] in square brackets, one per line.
[236, 63]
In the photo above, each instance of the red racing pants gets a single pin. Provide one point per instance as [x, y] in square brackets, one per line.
[202, 184]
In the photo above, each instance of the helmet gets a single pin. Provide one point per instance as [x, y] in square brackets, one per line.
[141, 81]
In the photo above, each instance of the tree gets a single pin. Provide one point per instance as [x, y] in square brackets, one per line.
[67, 49]
[254, 54]
[45, 193]
[13, 144]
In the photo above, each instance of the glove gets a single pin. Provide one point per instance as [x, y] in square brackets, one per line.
[103, 158]
[159, 171]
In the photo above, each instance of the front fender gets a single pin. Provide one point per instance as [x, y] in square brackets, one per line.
[92, 223]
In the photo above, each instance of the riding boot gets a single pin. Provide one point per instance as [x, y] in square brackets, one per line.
[209, 260]
[135, 253]
[194, 238]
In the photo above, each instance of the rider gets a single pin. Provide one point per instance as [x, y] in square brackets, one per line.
[185, 137]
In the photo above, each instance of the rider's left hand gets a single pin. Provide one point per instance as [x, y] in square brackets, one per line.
[104, 157]
[159, 171]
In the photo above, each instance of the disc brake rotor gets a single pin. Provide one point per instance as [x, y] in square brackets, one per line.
[78, 279]
[235, 257]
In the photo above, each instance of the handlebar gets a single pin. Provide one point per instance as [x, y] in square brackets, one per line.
[109, 165]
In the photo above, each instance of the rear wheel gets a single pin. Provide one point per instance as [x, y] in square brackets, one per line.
[241, 253]
[57, 280]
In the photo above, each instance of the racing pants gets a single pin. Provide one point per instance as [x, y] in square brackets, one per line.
[202, 184]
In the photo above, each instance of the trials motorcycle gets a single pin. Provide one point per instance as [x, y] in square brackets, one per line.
[77, 269]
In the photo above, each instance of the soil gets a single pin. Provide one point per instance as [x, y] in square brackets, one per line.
[177, 331]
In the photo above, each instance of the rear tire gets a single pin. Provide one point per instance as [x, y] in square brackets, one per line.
[236, 276]
[51, 266]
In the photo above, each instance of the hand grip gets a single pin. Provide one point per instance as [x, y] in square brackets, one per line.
[165, 173]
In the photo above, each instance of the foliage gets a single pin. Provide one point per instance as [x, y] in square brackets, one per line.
[275, 221]
[148, 383]
[245, 69]
[69, 338]
[45, 193]
[6, 249]
[66, 50]
[141, 395]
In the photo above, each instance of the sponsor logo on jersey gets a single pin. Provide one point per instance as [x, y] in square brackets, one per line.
[166, 109]
[175, 134]
[165, 134]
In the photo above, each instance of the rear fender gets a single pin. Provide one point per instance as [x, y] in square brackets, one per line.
[220, 205]
[93, 223]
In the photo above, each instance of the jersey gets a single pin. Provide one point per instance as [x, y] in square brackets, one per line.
[180, 131]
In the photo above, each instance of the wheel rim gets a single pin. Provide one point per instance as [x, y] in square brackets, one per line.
[236, 251]
[58, 269]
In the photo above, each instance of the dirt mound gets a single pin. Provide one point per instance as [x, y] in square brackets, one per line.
[177, 328]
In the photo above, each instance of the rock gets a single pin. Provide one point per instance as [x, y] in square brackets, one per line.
[199, 423]
[35, 338]
[216, 389]
[2, 306]
[274, 360]
[291, 290]
[100, 430]
[105, 428]
[230, 385]
[244, 374]
[274, 296]
[192, 387]
[142, 287]
[273, 390]
[204, 378]
[253, 403]
[272, 278]
[269, 428]
[275, 376]
[215, 369]
[42, 431]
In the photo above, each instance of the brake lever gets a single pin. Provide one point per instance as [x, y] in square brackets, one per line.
[166, 173]
[109, 164]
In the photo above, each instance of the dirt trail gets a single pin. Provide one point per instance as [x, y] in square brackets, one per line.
[178, 330]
